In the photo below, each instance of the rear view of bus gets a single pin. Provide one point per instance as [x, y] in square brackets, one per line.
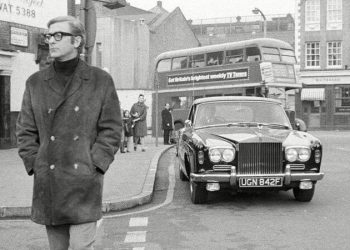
[257, 67]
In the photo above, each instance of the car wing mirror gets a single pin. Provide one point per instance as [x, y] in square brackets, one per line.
[188, 124]
[300, 125]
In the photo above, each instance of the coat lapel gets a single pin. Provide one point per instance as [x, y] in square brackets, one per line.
[80, 75]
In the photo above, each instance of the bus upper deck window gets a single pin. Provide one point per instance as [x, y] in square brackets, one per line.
[288, 56]
[271, 54]
[164, 65]
[197, 61]
[215, 58]
[234, 56]
[253, 54]
[179, 63]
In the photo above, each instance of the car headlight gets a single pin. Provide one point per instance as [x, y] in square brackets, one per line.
[291, 154]
[302, 154]
[221, 154]
[228, 155]
[214, 155]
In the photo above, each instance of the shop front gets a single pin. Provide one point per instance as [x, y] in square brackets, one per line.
[324, 101]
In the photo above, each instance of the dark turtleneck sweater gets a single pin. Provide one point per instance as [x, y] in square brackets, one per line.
[65, 70]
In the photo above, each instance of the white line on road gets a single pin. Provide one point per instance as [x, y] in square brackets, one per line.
[135, 237]
[138, 222]
[138, 248]
[169, 196]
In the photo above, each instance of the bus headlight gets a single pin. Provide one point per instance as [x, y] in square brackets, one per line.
[214, 155]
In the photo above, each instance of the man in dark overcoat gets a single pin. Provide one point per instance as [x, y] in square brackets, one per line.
[68, 131]
[139, 113]
[167, 123]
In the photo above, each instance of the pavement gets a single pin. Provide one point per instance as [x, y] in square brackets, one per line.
[128, 182]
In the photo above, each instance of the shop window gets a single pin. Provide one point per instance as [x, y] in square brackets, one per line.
[179, 102]
[342, 99]
[312, 54]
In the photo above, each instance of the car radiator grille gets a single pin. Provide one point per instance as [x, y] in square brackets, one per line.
[259, 158]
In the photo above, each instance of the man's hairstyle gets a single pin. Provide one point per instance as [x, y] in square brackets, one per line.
[141, 95]
[77, 28]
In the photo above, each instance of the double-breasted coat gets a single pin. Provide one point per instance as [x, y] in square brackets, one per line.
[67, 137]
[140, 129]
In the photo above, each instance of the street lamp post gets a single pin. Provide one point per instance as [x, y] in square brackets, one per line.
[258, 11]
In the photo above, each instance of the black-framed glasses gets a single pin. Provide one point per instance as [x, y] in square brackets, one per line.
[57, 36]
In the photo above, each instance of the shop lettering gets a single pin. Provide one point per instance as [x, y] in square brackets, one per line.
[35, 3]
[17, 10]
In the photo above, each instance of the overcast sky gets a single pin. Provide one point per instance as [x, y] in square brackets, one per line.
[202, 9]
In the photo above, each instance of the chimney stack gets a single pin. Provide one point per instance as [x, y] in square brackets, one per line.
[159, 4]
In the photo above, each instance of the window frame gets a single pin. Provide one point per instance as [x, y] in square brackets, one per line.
[334, 14]
[312, 15]
[337, 54]
[306, 56]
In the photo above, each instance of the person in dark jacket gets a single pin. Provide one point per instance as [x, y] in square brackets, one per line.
[167, 123]
[68, 132]
[139, 113]
[128, 124]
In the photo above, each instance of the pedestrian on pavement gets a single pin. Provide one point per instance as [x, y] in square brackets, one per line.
[167, 123]
[128, 130]
[139, 112]
[68, 131]
[122, 138]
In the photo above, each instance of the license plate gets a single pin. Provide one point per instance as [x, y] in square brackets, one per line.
[260, 182]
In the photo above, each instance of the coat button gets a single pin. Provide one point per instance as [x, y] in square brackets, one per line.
[52, 138]
[76, 137]
[49, 110]
[75, 165]
[52, 167]
[76, 108]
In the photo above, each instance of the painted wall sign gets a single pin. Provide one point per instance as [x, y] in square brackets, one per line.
[19, 37]
[34, 13]
[214, 76]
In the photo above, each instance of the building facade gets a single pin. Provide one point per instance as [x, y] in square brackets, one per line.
[322, 42]
[22, 52]
[129, 39]
[231, 29]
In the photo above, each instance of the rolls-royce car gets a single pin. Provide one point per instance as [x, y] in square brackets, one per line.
[243, 144]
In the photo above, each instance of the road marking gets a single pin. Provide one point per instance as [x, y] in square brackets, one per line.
[138, 248]
[138, 222]
[168, 200]
[135, 237]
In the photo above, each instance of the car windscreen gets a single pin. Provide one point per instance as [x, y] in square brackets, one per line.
[233, 112]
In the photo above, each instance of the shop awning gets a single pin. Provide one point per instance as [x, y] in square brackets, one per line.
[313, 94]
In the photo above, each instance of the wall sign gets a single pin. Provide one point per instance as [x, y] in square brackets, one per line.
[34, 13]
[19, 37]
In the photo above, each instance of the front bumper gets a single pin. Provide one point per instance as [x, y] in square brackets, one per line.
[233, 177]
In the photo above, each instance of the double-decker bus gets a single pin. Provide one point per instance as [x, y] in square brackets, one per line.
[256, 67]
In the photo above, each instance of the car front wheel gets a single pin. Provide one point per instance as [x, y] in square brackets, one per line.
[199, 194]
[304, 195]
